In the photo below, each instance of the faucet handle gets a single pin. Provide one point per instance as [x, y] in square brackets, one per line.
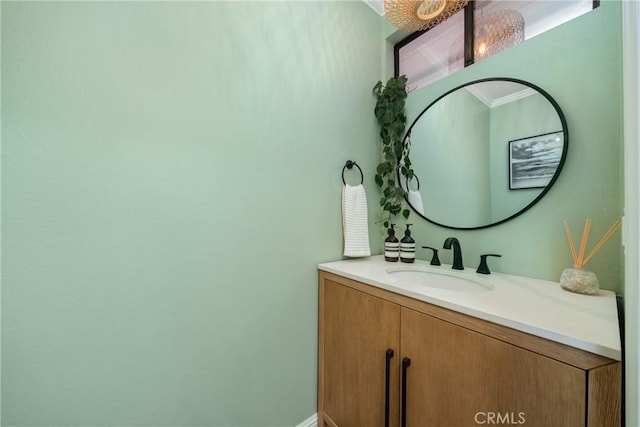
[434, 260]
[483, 268]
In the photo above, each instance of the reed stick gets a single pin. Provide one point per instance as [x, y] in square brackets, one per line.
[602, 241]
[583, 242]
[571, 245]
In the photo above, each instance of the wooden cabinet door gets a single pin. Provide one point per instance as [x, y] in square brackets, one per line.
[356, 330]
[458, 377]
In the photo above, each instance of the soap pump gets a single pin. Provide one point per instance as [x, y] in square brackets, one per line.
[407, 247]
[391, 245]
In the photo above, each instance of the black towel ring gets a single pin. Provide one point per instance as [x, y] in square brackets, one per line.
[349, 165]
[417, 180]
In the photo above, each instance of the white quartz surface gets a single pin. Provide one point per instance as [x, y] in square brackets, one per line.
[538, 307]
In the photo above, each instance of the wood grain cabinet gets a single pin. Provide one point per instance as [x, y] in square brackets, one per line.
[389, 360]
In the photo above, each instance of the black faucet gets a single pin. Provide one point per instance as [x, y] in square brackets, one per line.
[483, 268]
[457, 252]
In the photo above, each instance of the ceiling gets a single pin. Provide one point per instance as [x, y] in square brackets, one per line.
[499, 92]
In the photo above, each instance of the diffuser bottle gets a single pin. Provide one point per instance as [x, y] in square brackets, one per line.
[578, 279]
[407, 247]
[391, 245]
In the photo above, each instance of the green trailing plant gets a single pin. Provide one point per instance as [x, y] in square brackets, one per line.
[395, 162]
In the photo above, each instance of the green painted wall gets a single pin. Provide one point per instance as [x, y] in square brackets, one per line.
[579, 64]
[441, 148]
[170, 180]
[531, 116]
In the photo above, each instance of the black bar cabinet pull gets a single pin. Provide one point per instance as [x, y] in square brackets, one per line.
[405, 365]
[387, 376]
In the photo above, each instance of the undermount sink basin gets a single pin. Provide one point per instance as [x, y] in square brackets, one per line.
[416, 278]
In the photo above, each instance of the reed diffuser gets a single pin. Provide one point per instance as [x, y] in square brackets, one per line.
[577, 279]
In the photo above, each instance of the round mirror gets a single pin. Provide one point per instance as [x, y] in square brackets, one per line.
[485, 152]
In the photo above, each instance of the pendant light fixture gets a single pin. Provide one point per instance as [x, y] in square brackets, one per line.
[494, 31]
[497, 31]
[420, 15]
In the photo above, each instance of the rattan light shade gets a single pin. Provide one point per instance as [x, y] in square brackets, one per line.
[419, 15]
[497, 31]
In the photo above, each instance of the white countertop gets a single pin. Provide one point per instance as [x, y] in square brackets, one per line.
[534, 306]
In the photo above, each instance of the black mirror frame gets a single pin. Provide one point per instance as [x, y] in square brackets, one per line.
[565, 148]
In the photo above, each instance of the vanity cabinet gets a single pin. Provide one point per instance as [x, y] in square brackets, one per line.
[358, 331]
[389, 360]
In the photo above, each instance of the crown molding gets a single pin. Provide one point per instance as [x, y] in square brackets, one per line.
[376, 5]
[491, 102]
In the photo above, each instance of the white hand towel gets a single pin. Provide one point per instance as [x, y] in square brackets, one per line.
[354, 221]
[415, 200]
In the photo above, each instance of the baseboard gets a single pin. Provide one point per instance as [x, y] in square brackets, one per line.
[312, 421]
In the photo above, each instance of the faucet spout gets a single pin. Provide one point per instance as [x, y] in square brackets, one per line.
[452, 242]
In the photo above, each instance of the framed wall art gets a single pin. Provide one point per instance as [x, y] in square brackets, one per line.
[534, 160]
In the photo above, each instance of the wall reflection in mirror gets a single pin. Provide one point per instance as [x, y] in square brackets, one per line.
[485, 152]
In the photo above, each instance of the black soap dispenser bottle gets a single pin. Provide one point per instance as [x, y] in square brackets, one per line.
[391, 245]
[407, 247]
